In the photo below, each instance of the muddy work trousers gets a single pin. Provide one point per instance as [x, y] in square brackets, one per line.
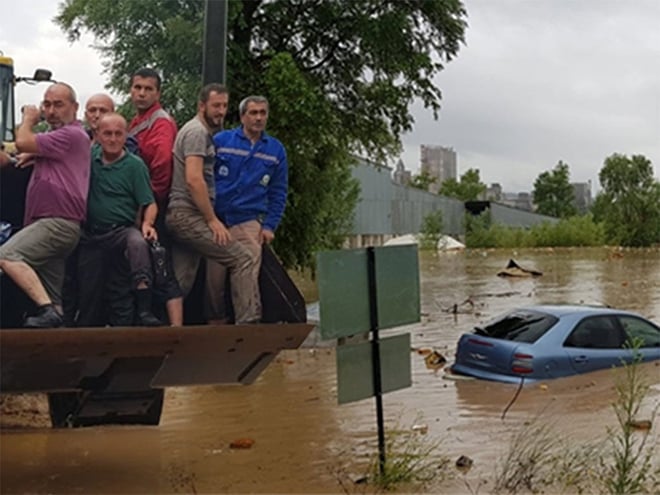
[110, 267]
[194, 240]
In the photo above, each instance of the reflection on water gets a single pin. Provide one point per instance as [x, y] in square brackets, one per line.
[302, 437]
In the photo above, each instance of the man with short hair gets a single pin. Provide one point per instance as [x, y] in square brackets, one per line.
[155, 131]
[190, 215]
[251, 184]
[119, 197]
[56, 202]
[96, 107]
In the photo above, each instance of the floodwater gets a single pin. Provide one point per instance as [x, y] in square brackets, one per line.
[305, 443]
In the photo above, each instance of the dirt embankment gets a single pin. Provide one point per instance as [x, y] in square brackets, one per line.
[24, 410]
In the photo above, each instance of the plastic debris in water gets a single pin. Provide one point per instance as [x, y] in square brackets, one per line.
[423, 429]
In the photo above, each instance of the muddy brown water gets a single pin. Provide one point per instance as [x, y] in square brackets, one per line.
[304, 442]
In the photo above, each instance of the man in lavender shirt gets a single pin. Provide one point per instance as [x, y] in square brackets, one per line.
[56, 202]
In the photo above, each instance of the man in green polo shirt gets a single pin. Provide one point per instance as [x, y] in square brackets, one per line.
[121, 212]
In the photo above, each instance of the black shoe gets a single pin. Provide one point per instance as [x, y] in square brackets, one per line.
[147, 319]
[47, 317]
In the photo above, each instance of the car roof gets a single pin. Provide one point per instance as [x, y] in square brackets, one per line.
[567, 309]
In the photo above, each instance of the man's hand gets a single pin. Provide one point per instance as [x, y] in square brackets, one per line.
[25, 160]
[5, 159]
[220, 233]
[31, 115]
[149, 232]
[267, 236]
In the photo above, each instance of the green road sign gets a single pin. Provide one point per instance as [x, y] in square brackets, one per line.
[355, 377]
[397, 285]
[344, 289]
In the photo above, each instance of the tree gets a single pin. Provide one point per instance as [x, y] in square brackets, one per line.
[431, 230]
[422, 181]
[629, 203]
[340, 77]
[469, 188]
[553, 194]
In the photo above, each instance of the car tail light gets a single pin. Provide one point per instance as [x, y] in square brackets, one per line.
[522, 363]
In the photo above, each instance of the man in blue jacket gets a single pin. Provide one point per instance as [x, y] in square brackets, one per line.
[251, 184]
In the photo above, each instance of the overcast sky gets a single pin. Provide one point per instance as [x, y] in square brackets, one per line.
[538, 81]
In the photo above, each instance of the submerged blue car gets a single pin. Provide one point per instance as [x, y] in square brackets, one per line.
[544, 342]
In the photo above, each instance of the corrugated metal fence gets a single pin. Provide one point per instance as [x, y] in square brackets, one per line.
[387, 209]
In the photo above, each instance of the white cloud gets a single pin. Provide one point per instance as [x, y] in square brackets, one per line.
[548, 80]
[36, 42]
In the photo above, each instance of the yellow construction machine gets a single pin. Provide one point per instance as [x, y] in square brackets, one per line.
[7, 111]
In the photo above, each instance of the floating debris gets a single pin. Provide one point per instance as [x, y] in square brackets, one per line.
[422, 429]
[464, 463]
[241, 443]
[513, 269]
[434, 360]
[642, 424]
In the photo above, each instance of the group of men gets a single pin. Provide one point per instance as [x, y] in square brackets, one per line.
[102, 201]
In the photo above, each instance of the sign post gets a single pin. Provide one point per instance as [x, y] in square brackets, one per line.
[363, 291]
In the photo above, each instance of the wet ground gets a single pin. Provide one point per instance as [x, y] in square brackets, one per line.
[305, 443]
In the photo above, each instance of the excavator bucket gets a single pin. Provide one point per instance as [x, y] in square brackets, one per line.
[116, 374]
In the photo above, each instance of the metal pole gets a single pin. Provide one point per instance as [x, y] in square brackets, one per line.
[375, 356]
[214, 63]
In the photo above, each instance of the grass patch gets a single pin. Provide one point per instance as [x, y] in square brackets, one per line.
[538, 460]
[412, 460]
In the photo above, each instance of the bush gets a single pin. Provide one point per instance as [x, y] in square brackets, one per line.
[431, 230]
[573, 231]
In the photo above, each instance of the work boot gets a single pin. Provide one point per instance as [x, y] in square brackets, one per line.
[144, 315]
[46, 317]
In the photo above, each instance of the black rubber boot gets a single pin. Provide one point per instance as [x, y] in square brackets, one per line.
[144, 315]
[46, 317]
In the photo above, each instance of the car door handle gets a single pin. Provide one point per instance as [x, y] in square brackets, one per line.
[581, 359]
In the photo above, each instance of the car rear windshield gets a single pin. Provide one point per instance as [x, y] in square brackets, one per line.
[520, 326]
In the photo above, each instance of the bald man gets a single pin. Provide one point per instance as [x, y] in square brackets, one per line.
[97, 106]
[56, 202]
[121, 213]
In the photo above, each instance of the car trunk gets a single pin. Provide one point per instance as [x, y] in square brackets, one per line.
[486, 353]
[503, 345]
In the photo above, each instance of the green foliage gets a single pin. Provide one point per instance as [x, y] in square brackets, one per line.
[319, 164]
[469, 188]
[573, 231]
[629, 204]
[553, 193]
[340, 76]
[422, 181]
[431, 230]
[632, 467]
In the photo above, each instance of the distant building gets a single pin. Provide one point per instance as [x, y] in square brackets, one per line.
[520, 200]
[582, 196]
[494, 192]
[438, 162]
[401, 175]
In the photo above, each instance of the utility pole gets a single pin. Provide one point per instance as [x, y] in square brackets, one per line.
[214, 60]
